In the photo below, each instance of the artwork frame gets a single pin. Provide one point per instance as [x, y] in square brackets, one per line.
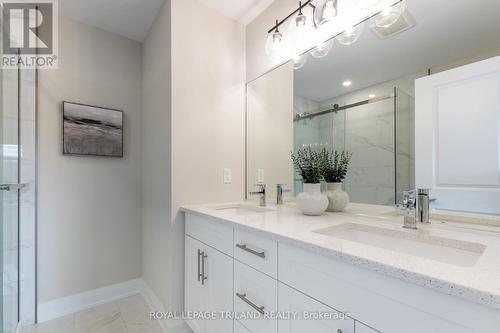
[89, 130]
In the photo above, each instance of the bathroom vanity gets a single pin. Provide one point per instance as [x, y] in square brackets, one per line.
[357, 271]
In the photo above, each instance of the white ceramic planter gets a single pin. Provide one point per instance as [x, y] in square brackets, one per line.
[312, 202]
[337, 198]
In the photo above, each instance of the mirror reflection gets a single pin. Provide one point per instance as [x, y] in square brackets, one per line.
[359, 96]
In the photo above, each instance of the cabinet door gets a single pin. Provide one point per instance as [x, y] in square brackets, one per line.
[217, 269]
[307, 315]
[457, 147]
[194, 291]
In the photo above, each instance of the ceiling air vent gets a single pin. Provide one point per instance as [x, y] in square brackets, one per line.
[405, 22]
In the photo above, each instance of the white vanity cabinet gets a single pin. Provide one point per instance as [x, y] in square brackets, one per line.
[318, 319]
[258, 274]
[208, 286]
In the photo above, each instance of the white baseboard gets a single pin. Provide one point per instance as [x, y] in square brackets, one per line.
[75, 303]
[168, 326]
[71, 304]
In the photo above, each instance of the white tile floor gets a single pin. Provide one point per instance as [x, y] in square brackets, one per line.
[129, 315]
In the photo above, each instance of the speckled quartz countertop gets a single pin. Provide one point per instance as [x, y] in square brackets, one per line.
[478, 282]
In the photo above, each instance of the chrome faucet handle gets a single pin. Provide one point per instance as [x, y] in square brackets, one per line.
[280, 190]
[262, 194]
[409, 205]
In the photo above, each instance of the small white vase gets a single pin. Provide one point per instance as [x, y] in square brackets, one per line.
[337, 199]
[312, 202]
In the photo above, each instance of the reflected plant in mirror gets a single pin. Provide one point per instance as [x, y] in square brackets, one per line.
[334, 167]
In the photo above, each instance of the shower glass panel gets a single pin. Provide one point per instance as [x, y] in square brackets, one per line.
[9, 200]
[370, 139]
[379, 133]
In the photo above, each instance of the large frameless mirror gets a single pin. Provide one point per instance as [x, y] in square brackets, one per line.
[356, 93]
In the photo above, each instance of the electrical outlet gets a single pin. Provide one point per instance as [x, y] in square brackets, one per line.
[228, 177]
[260, 176]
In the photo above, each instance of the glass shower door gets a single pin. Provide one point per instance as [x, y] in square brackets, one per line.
[9, 200]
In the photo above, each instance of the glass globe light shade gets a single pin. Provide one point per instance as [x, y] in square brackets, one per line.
[389, 14]
[322, 49]
[351, 34]
[326, 10]
[300, 61]
[299, 36]
[275, 45]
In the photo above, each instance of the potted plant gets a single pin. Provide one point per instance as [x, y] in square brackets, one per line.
[308, 163]
[334, 166]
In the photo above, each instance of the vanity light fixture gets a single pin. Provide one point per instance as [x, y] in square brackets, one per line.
[300, 61]
[372, 96]
[303, 33]
[301, 19]
[329, 10]
[321, 50]
[347, 83]
[275, 43]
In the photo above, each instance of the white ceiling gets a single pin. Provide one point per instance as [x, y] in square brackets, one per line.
[133, 18]
[129, 18]
[243, 11]
[447, 31]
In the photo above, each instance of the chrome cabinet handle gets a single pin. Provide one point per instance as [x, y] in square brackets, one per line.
[244, 298]
[245, 248]
[12, 187]
[199, 271]
[203, 277]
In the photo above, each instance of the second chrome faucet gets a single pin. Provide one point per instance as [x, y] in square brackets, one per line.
[280, 191]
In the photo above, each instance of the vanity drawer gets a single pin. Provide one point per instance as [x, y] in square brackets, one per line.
[255, 293]
[256, 251]
[210, 232]
[387, 304]
[312, 316]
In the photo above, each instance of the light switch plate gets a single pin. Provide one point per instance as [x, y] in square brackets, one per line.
[260, 176]
[228, 177]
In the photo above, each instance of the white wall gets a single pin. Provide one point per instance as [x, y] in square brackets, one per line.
[156, 147]
[194, 126]
[89, 230]
[208, 113]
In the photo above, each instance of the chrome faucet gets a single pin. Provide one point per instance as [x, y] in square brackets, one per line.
[280, 191]
[423, 204]
[261, 193]
[409, 206]
[416, 205]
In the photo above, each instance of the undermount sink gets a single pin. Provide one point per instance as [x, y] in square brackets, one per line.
[450, 251]
[239, 209]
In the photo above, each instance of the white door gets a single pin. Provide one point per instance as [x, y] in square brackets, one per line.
[194, 292]
[217, 272]
[457, 143]
[307, 315]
